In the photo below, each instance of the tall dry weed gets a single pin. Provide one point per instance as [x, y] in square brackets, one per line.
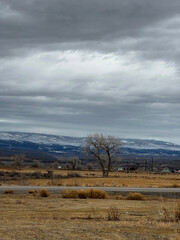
[169, 214]
[177, 211]
[113, 214]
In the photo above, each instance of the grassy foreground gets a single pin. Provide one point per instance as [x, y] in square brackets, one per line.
[53, 218]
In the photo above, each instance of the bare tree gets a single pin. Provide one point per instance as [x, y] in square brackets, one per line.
[106, 151]
[55, 165]
[74, 162]
[19, 160]
[36, 164]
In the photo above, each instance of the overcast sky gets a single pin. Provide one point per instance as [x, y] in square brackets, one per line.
[76, 67]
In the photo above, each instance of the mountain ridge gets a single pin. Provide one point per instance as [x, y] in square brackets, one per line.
[58, 145]
[50, 139]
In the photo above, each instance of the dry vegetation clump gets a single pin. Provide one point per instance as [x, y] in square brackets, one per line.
[70, 193]
[113, 214]
[44, 193]
[177, 237]
[9, 191]
[167, 215]
[118, 197]
[177, 211]
[33, 192]
[82, 194]
[96, 193]
[135, 196]
[89, 193]
[170, 215]
[175, 185]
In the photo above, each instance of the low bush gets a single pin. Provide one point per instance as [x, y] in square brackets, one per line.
[96, 193]
[89, 193]
[70, 193]
[82, 193]
[134, 196]
[9, 191]
[33, 192]
[44, 193]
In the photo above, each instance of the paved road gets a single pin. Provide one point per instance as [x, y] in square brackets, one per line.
[170, 192]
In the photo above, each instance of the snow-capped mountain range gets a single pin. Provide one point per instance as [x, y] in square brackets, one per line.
[55, 144]
[41, 138]
[47, 139]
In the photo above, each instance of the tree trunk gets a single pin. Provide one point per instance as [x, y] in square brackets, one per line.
[105, 173]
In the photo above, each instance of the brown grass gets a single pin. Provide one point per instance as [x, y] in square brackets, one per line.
[95, 179]
[53, 218]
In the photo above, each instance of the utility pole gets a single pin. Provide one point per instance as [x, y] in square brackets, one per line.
[145, 165]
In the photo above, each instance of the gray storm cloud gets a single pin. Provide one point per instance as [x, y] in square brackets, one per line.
[76, 67]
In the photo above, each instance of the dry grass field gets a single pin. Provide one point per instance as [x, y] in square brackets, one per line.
[28, 217]
[95, 179]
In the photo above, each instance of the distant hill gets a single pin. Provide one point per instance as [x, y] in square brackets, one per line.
[53, 145]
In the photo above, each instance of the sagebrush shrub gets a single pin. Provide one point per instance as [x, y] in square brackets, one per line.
[89, 193]
[44, 193]
[82, 193]
[70, 193]
[134, 196]
[96, 193]
[33, 192]
[9, 191]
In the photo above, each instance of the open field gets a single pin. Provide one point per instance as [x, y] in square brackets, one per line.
[52, 218]
[95, 179]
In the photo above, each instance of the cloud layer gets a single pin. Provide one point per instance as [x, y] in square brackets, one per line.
[77, 67]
